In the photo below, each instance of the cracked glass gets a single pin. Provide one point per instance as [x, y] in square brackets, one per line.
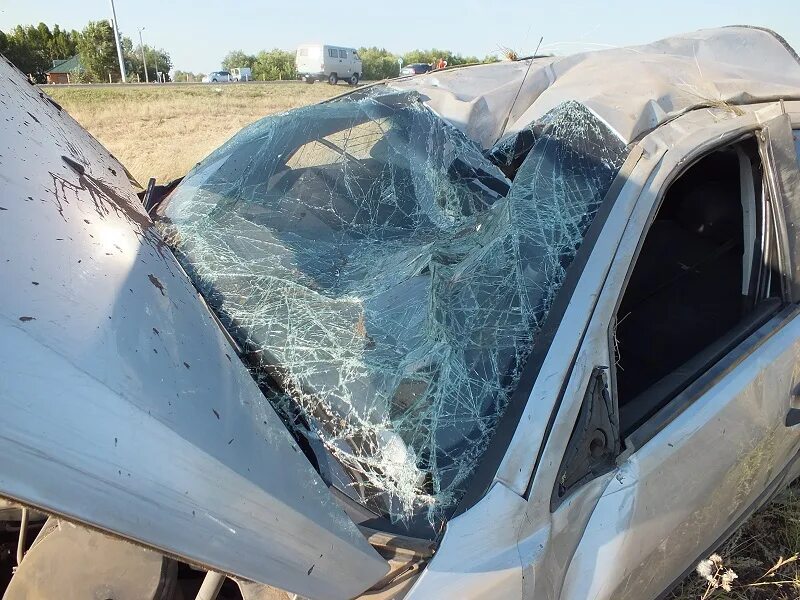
[386, 280]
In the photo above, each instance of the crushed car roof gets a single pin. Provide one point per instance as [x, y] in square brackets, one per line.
[633, 89]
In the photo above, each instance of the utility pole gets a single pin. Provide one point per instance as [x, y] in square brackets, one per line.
[144, 62]
[119, 45]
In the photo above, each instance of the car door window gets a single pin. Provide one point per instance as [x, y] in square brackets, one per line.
[706, 274]
[342, 53]
[332, 52]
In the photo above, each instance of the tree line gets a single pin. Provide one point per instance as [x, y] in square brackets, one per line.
[378, 63]
[34, 48]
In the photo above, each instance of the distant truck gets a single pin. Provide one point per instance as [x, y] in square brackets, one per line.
[242, 74]
[321, 62]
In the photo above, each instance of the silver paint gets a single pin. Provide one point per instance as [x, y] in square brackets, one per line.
[123, 405]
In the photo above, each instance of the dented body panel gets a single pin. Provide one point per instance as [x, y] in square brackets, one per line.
[733, 451]
[633, 531]
[124, 406]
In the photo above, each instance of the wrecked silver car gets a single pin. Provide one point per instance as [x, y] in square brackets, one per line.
[507, 330]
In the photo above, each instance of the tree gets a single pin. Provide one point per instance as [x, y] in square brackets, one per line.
[78, 76]
[272, 65]
[187, 76]
[238, 59]
[98, 51]
[157, 60]
[133, 61]
[33, 49]
[378, 63]
[63, 44]
[434, 54]
[29, 49]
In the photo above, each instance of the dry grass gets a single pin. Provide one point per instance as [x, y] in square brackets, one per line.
[162, 132]
[763, 554]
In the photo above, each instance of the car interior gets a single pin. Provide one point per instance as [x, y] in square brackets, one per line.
[703, 281]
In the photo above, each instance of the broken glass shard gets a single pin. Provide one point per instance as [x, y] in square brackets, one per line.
[386, 279]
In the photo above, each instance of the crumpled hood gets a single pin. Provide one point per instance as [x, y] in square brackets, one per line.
[124, 407]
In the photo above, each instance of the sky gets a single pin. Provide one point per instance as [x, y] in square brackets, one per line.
[198, 33]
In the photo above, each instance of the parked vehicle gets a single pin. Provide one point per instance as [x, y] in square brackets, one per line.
[415, 69]
[431, 339]
[241, 74]
[217, 77]
[319, 62]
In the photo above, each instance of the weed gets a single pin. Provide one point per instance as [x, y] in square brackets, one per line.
[759, 562]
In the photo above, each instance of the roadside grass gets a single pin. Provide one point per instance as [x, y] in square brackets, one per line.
[763, 554]
[163, 131]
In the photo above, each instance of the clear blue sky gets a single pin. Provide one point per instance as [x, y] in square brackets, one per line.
[198, 33]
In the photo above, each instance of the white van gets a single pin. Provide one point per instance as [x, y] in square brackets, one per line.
[242, 74]
[318, 62]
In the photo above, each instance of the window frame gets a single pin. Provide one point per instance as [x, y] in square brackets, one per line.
[666, 151]
[752, 337]
[342, 53]
[333, 53]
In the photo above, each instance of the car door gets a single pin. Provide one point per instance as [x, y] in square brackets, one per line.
[331, 60]
[688, 473]
[124, 405]
[345, 64]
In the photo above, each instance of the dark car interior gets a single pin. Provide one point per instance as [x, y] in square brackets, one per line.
[697, 286]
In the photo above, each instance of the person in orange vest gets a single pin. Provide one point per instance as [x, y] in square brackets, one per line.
[441, 64]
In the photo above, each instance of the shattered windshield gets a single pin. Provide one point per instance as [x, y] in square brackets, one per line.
[386, 279]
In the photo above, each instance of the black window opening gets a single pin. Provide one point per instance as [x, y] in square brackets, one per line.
[705, 278]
